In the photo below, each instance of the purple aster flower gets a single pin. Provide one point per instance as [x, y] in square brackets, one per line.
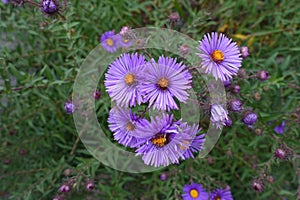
[250, 118]
[236, 105]
[280, 128]
[218, 115]
[69, 107]
[164, 81]
[50, 6]
[197, 142]
[125, 42]
[123, 79]
[110, 41]
[220, 56]
[194, 192]
[126, 126]
[244, 51]
[221, 194]
[164, 142]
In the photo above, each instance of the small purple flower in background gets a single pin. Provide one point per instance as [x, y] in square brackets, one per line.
[64, 188]
[263, 75]
[244, 51]
[123, 78]
[221, 194]
[164, 81]
[218, 115]
[163, 176]
[257, 185]
[125, 126]
[90, 185]
[194, 192]
[69, 107]
[164, 143]
[250, 118]
[235, 89]
[197, 141]
[220, 56]
[226, 83]
[50, 6]
[5, 1]
[97, 94]
[280, 128]
[236, 105]
[280, 153]
[110, 41]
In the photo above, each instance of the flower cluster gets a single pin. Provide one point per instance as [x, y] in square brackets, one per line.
[196, 191]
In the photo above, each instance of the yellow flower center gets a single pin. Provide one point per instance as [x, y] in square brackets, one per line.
[125, 40]
[217, 198]
[194, 193]
[130, 126]
[159, 140]
[130, 79]
[109, 42]
[163, 83]
[217, 56]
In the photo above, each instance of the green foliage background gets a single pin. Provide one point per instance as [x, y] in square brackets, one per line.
[39, 60]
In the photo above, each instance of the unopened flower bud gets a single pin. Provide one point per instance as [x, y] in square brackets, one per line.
[174, 17]
[236, 105]
[163, 176]
[64, 188]
[262, 75]
[250, 118]
[235, 89]
[90, 186]
[244, 51]
[257, 186]
[280, 153]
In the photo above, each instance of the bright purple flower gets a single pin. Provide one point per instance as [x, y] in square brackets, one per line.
[250, 118]
[236, 105]
[69, 107]
[165, 143]
[110, 41]
[125, 125]
[221, 194]
[50, 6]
[194, 192]
[197, 141]
[164, 81]
[123, 77]
[280, 128]
[244, 51]
[220, 56]
[218, 115]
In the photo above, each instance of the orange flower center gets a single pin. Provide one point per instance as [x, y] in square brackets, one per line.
[109, 42]
[217, 56]
[217, 198]
[159, 140]
[130, 126]
[163, 83]
[194, 193]
[130, 79]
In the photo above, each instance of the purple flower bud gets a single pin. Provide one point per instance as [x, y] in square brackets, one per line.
[250, 118]
[280, 128]
[270, 179]
[90, 186]
[5, 1]
[124, 30]
[174, 17]
[228, 122]
[22, 152]
[262, 75]
[235, 89]
[163, 176]
[64, 188]
[97, 94]
[257, 186]
[50, 6]
[69, 107]
[244, 51]
[280, 153]
[227, 83]
[236, 105]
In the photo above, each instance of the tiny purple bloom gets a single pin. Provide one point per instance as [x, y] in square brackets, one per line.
[90, 186]
[196, 143]
[5, 1]
[263, 75]
[69, 107]
[124, 30]
[244, 51]
[122, 80]
[97, 94]
[250, 118]
[163, 176]
[236, 105]
[164, 81]
[221, 194]
[218, 115]
[235, 89]
[50, 6]
[125, 125]
[280, 128]
[110, 41]
[64, 188]
[220, 56]
[164, 142]
[194, 192]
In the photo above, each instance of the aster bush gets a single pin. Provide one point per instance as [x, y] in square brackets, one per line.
[146, 99]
